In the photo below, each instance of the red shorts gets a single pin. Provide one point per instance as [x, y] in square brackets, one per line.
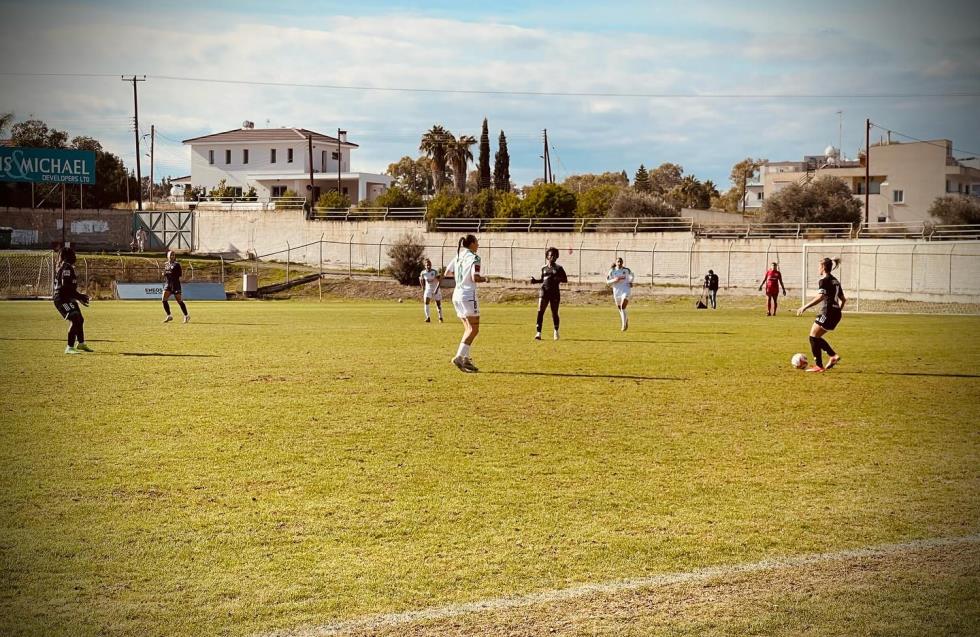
[772, 291]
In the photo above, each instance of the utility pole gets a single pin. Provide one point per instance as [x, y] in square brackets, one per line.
[840, 134]
[309, 140]
[136, 134]
[745, 186]
[867, 172]
[152, 140]
[548, 178]
[339, 157]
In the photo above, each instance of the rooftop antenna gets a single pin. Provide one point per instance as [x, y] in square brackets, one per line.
[840, 129]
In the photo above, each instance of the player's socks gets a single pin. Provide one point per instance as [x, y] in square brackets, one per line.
[463, 351]
[556, 335]
[816, 350]
[183, 308]
[428, 315]
[439, 310]
[825, 346]
[82, 347]
[166, 307]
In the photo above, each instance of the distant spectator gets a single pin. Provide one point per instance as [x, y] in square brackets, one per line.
[141, 239]
[711, 288]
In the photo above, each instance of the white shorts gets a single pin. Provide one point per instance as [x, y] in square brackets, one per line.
[466, 304]
[435, 295]
[621, 295]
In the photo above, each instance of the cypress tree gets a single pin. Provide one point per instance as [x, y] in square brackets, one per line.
[501, 165]
[484, 157]
[642, 180]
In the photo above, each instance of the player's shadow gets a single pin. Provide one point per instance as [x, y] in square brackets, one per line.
[56, 340]
[168, 355]
[928, 374]
[624, 340]
[580, 375]
[227, 323]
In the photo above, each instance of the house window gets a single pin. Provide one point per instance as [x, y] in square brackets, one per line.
[245, 156]
[335, 155]
[228, 156]
[323, 160]
[289, 155]
[272, 156]
[947, 186]
[210, 156]
[966, 189]
[278, 191]
[236, 191]
[898, 196]
[759, 196]
[882, 219]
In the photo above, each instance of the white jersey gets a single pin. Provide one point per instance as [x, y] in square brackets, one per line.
[430, 278]
[624, 285]
[465, 268]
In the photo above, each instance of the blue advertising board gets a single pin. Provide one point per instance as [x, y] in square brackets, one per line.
[47, 165]
[153, 291]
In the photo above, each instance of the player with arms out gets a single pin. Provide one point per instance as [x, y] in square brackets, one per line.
[772, 280]
[66, 298]
[172, 273]
[429, 279]
[621, 280]
[552, 275]
[832, 296]
[465, 268]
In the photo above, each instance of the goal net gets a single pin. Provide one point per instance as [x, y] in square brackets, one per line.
[901, 277]
[25, 275]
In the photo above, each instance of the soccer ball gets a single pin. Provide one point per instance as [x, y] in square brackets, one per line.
[798, 361]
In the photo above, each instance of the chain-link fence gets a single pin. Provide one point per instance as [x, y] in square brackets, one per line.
[26, 274]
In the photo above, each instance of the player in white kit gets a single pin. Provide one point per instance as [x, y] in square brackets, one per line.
[621, 280]
[466, 270]
[429, 280]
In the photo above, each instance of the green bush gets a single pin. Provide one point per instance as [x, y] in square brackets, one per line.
[333, 199]
[632, 203]
[827, 199]
[447, 203]
[596, 201]
[956, 210]
[397, 197]
[549, 200]
[406, 259]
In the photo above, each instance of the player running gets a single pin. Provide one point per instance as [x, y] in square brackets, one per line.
[552, 275]
[621, 280]
[429, 280]
[172, 273]
[832, 296]
[772, 280]
[66, 298]
[466, 269]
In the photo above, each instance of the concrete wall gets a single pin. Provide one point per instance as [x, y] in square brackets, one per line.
[673, 259]
[87, 229]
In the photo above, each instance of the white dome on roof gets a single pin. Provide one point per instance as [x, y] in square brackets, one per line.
[831, 151]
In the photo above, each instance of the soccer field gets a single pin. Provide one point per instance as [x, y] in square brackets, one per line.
[286, 465]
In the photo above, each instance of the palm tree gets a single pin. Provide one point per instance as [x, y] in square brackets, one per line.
[459, 155]
[434, 143]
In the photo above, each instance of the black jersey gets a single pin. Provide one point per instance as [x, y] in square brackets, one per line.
[551, 277]
[65, 283]
[172, 272]
[832, 293]
[711, 281]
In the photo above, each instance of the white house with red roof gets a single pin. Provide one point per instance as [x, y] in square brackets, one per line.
[274, 160]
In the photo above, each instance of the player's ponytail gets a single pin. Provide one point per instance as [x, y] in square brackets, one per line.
[67, 255]
[465, 241]
[829, 265]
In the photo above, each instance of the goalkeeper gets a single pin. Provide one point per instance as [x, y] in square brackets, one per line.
[66, 298]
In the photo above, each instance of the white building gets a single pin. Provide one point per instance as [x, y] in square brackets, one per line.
[274, 160]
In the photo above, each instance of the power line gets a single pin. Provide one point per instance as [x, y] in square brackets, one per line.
[924, 141]
[524, 93]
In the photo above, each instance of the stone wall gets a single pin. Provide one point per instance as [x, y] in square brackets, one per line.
[86, 229]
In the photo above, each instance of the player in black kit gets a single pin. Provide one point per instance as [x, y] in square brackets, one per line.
[832, 296]
[172, 272]
[66, 298]
[551, 276]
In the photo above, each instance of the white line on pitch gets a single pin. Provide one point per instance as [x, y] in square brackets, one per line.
[616, 586]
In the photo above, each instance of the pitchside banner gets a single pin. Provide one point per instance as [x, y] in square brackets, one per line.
[153, 291]
[47, 165]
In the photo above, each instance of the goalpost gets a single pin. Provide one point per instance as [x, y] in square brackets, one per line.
[902, 277]
[26, 274]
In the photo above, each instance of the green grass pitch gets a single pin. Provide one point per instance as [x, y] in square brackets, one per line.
[273, 465]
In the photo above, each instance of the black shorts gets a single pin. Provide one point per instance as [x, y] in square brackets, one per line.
[173, 289]
[549, 296]
[829, 319]
[67, 308]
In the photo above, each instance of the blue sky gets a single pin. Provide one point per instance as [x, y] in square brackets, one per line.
[796, 48]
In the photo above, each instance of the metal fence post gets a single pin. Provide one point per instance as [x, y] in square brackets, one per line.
[860, 252]
[512, 260]
[952, 248]
[319, 281]
[653, 263]
[690, 267]
[728, 283]
[288, 256]
[222, 260]
[379, 256]
[912, 268]
[350, 257]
